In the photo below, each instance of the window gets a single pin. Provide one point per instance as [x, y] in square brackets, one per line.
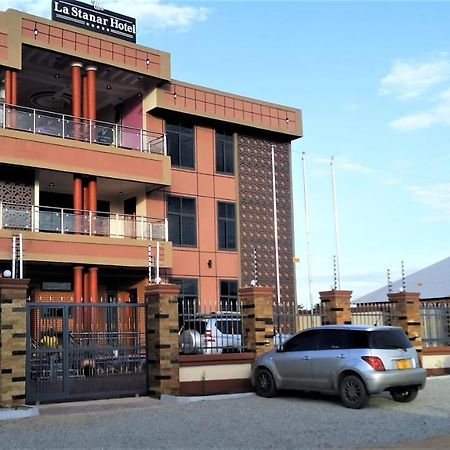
[182, 223]
[227, 226]
[180, 145]
[305, 341]
[387, 339]
[187, 298]
[228, 295]
[224, 154]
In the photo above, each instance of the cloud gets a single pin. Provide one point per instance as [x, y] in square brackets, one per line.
[345, 164]
[412, 79]
[439, 114]
[151, 15]
[436, 198]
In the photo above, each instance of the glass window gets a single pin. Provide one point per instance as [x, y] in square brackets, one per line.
[226, 226]
[224, 154]
[180, 145]
[187, 298]
[386, 339]
[182, 220]
[228, 295]
[305, 341]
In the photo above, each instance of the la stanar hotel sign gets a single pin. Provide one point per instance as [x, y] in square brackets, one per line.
[95, 19]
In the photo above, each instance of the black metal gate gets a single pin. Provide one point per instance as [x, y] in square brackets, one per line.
[74, 353]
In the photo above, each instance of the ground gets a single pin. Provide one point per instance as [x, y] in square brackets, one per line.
[288, 421]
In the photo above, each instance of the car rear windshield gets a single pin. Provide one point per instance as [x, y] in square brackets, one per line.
[386, 339]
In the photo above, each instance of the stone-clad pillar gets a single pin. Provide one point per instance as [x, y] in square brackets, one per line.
[12, 341]
[336, 307]
[407, 312]
[162, 339]
[257, 305]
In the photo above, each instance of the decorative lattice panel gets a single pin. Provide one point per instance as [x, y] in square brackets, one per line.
[256, 214]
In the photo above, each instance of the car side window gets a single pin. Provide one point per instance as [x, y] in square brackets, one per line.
[332, 339]
[305, 341]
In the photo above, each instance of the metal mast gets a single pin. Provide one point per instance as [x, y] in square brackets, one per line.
[336, 226]
[308, 235]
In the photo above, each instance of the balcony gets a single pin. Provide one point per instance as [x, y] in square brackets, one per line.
[47, 219]
[48, 123]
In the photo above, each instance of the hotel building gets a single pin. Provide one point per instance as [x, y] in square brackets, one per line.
[107, 163]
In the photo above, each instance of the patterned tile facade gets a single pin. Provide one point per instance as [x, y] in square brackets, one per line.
[256, 214]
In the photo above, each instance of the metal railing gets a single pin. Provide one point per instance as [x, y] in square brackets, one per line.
[80, 129]
[435, 321]
[212, 332]
[49, 219]
[376, 313]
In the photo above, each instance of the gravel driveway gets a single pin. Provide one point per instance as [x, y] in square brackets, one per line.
[289, 421]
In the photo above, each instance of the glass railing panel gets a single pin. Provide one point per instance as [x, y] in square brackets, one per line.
[20, 119]
[49, 124]
[100, 225]
[50, 220]
[103, 133]
[154, 143]
[130, 138]
[17, 217]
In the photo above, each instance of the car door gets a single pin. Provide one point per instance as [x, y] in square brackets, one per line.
[293, 362]
[333, 351]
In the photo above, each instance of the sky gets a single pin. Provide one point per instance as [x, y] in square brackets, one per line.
[373, 82]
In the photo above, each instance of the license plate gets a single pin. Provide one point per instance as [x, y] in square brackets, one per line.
[403, 363]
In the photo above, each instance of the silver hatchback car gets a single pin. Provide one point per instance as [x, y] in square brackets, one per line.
[351, 361]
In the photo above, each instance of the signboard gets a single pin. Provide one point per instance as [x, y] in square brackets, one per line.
[95, 19]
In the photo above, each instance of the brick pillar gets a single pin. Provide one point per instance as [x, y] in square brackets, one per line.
[12, 341]
[336, 307]
[162, 339]
[407, 312]
[257, 304]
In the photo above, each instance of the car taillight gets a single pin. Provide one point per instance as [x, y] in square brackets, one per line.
[374, 362]
[209, 336]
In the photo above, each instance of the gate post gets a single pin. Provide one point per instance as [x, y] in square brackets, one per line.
[407, 313]
[336, 305]
[13, 338]
[161, 313]
[257, 304]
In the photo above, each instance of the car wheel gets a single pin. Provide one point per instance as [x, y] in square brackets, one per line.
[265, 384]
[353, 392]
[405, 395]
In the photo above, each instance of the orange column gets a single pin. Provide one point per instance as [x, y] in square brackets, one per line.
[85, 97]
[77, 192]
[8, 86]
[76, 99]
[93, 294]
[13, 96]
[92, 186]
[77, 202]
[76, 89]
[13, 87]
[77, 295]
[86, 295]
[91, 92]
[92, 203]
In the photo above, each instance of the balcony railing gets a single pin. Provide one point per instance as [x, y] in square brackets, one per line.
[68, 127]
[48, 219]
